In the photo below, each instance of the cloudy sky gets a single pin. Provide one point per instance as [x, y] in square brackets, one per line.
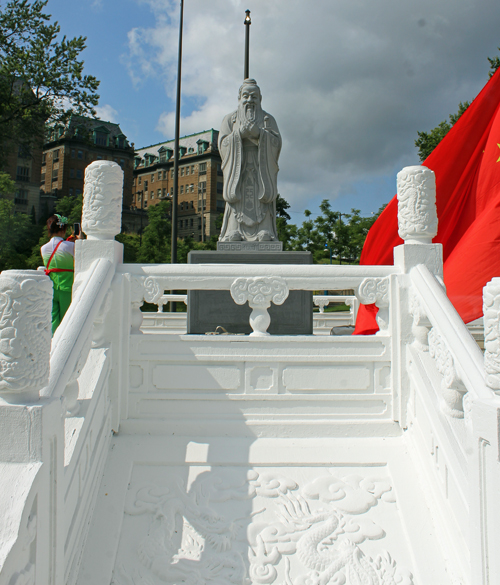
[350, 82]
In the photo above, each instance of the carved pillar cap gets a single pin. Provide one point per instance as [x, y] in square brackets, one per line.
[417, 216]
[25, 333]
[102, 200]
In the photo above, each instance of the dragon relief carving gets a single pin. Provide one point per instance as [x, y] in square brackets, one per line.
[102, 200]
[25, 331]
[417, 216]
[308, 535]
[452, 387]
[491, 312]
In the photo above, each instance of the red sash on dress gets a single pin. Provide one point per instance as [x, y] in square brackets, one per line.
[49, 270]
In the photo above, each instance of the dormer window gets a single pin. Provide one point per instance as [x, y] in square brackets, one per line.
[182, 151]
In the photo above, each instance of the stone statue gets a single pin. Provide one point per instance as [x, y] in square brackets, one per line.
[249, 144]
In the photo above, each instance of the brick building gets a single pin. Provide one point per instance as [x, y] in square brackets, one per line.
[68, 150]
[200, 183]
[23, 165]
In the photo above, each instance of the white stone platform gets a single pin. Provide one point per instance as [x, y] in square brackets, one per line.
[233, 511]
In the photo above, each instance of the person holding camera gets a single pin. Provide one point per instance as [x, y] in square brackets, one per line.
[59, 260]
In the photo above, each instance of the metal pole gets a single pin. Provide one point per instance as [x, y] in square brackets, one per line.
[340, 250]
[247, 22]
[173, 258]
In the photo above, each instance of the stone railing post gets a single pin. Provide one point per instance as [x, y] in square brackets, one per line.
[491, 312]
[25, 334]
[101, 215]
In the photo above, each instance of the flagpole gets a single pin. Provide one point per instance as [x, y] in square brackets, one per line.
[247, 22]
[173, 256]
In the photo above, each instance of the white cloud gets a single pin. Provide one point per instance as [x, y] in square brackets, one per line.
[349, 83]
[107, 113]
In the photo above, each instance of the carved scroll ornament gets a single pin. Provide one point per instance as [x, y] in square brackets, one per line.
[376, 291]
[102, 200]
[417, 216]
[25, 333]
[259, 292]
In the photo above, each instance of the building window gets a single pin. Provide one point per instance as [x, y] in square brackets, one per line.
[182, 189]
[101, 139]
[159, 175]
[220, 187]
[191, 221]
[21, 197]
[202, 186]
[44, 158]
[164, 175]
[23, 174]
[152, 194]
[191, 188]
[172, 174]
[80, 154]
[192, 169]
[182, 171]
[23, 151]
[71, 173]
[164, 192]
[159, 192]
[71, 192]
[78, 192]
[122, 163]
[55, 155]
[79, 174]
[73, 153]
[171, 191]
[191, 204]
[187, 170]
[219, 169]
[55, 175]
[140, 180]
[145, 184]
[203, 169]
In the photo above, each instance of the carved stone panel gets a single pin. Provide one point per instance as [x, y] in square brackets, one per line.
[417, 216]
[376, 291]
[102, 200]
[25, 333]
[260, 526]
[491, 312]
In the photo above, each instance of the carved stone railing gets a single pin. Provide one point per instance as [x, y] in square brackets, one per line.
[323, 301]
[250, 283]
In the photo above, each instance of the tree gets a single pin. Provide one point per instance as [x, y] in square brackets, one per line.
[155, 247]
[7, 185]
[427, 141]
[41, 77]
[16, 231]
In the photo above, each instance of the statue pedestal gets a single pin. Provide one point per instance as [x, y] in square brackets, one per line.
[250, 247]
[208, 309]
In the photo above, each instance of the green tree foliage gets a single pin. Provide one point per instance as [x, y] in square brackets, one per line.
[17, 236]
[494, 64]
[427, 141]
[342, 233]
[155, 247]
[7, 185]
[40, 74]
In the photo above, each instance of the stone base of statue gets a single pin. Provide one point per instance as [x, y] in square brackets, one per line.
[209, 309]
[249, 246]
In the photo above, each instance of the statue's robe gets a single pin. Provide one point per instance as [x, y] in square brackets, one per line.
[250, 169]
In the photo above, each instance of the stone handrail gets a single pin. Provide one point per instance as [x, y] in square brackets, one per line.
[259, 284]
[466, 355]
[72, 340]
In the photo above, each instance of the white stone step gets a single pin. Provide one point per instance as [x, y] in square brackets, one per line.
[177, 510]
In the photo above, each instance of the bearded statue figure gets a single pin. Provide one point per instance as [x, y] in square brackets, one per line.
[249, 144]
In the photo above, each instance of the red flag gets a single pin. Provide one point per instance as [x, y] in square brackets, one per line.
[467, 168]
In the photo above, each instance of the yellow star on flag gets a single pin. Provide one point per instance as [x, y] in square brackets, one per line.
[499, 156]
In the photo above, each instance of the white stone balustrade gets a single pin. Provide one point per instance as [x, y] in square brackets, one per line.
[25, 335]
